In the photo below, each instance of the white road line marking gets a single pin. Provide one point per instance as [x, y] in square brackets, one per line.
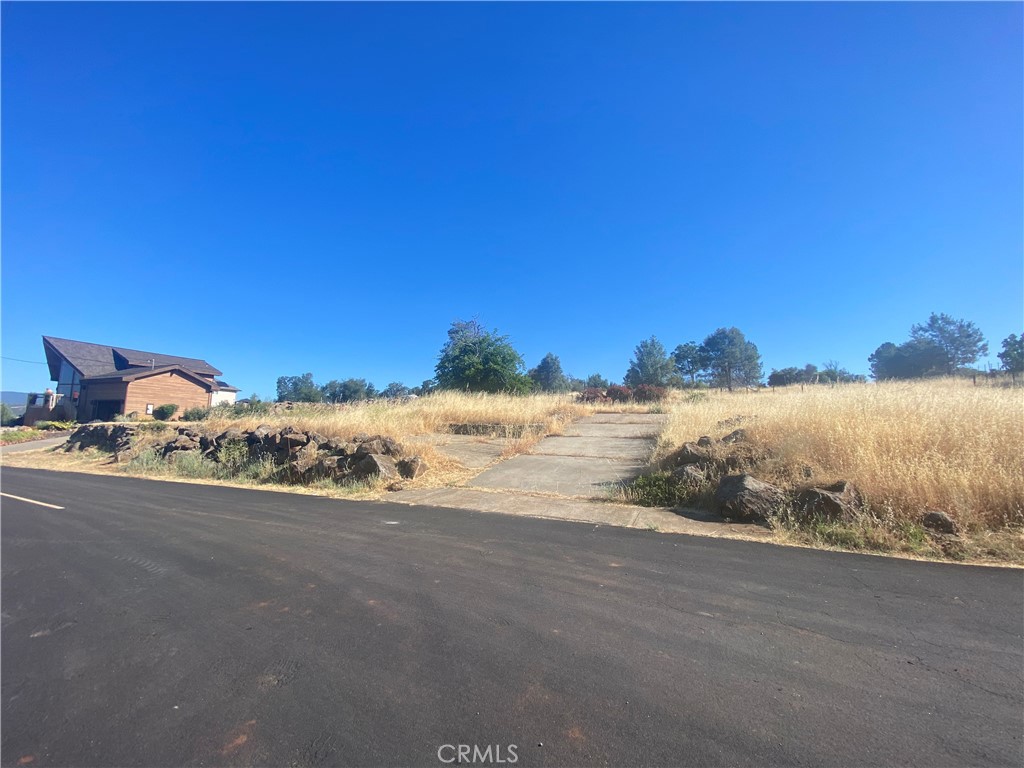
[30, 501]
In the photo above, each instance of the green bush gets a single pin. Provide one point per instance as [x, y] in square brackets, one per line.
[55, 426]
[195, 414]
[164, 412]
[7, 417]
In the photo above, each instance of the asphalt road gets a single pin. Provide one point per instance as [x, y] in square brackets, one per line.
[153, 623]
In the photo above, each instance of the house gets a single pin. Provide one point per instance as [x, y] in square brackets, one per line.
[96, 381]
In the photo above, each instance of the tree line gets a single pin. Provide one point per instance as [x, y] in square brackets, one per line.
[474, 359]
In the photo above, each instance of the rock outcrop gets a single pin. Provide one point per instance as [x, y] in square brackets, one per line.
[747, 499]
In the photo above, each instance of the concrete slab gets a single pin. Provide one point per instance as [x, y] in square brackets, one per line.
[657, 419]
[472, 452]
[606, 429]
[620, 515]
[620, 448]
[565, 475]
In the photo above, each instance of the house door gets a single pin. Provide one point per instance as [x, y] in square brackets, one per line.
[105, 410]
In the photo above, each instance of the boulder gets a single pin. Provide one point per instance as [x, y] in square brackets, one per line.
[690, 453]
[305, 458]
[372, 446]
[689, 474]
[706, 441]
[316, 437]
[736, 436]
[939, 522]
[180, 443]
[375, 465]
[231, 435]
[839, 501]
[294, 440]
[412, 468]
[747, 499]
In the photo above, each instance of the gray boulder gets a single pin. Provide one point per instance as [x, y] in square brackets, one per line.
[839, 501]
[412, 468]
[375, 465]
[747, 499]
[940, 522]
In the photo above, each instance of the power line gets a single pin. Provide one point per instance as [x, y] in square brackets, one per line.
[19, 360]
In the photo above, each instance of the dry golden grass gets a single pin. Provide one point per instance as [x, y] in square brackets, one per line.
[908, 446]
[431, 414]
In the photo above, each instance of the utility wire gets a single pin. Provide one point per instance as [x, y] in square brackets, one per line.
[19, 360]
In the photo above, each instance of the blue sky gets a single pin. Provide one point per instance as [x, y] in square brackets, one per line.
[282, 188]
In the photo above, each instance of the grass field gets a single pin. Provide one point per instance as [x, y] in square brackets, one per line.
[908, 446]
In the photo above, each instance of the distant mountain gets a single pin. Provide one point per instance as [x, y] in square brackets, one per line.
[16, 401]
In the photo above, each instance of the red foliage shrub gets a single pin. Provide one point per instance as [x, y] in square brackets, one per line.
[620, 394]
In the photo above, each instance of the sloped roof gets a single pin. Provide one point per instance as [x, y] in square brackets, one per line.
[94, 360]
[141, 372]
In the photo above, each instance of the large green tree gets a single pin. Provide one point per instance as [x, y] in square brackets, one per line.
[650, 365]
[910, 360]
[1012, 355]
[298, 389]
[476, 360]
[688, 360]
[548, 375]
[961, 341]
[730, 359]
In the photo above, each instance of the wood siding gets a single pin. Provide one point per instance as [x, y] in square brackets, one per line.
[165, 388]
[108, 390]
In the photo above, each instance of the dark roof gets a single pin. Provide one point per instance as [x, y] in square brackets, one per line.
[94, 360]
[223, 386]
[141, 372]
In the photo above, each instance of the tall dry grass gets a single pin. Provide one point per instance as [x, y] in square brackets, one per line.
[908, 446]
[425, 415]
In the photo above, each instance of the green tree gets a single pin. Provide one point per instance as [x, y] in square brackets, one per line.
[596, 381]
[395, 389]
[730, 359]
[476, 360]
[688, 360]
[1012, 355]
[911, 360]
[548, 375]
[785, 377]
[650, 365]
[6, 415]
[960, 340]
[298, 389]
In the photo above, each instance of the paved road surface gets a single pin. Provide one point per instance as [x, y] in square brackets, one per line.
[153, 623]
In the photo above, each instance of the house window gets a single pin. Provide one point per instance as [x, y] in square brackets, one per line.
[149, 409]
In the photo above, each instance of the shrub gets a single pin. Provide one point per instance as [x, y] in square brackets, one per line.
[55, 426]
[619, 393]
[195, 414]
[592, 395]
[649, 393]
[164, 412]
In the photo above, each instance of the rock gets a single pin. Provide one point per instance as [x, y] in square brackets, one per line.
[391, 447]
[208, 443]
[736, 436]
[396, 486]
[706, 441]
[294, 440]
[375, 465]
[412, 468]
[747, 499]
[935, 520]
[689, 474]
[372, 446]
[231, 435]
[839, 501]
[260, 434]
[305, 458]
[180, 443]
[316, 437]
[690, 453]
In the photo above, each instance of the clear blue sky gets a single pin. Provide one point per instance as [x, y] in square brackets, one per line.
[282, 188]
